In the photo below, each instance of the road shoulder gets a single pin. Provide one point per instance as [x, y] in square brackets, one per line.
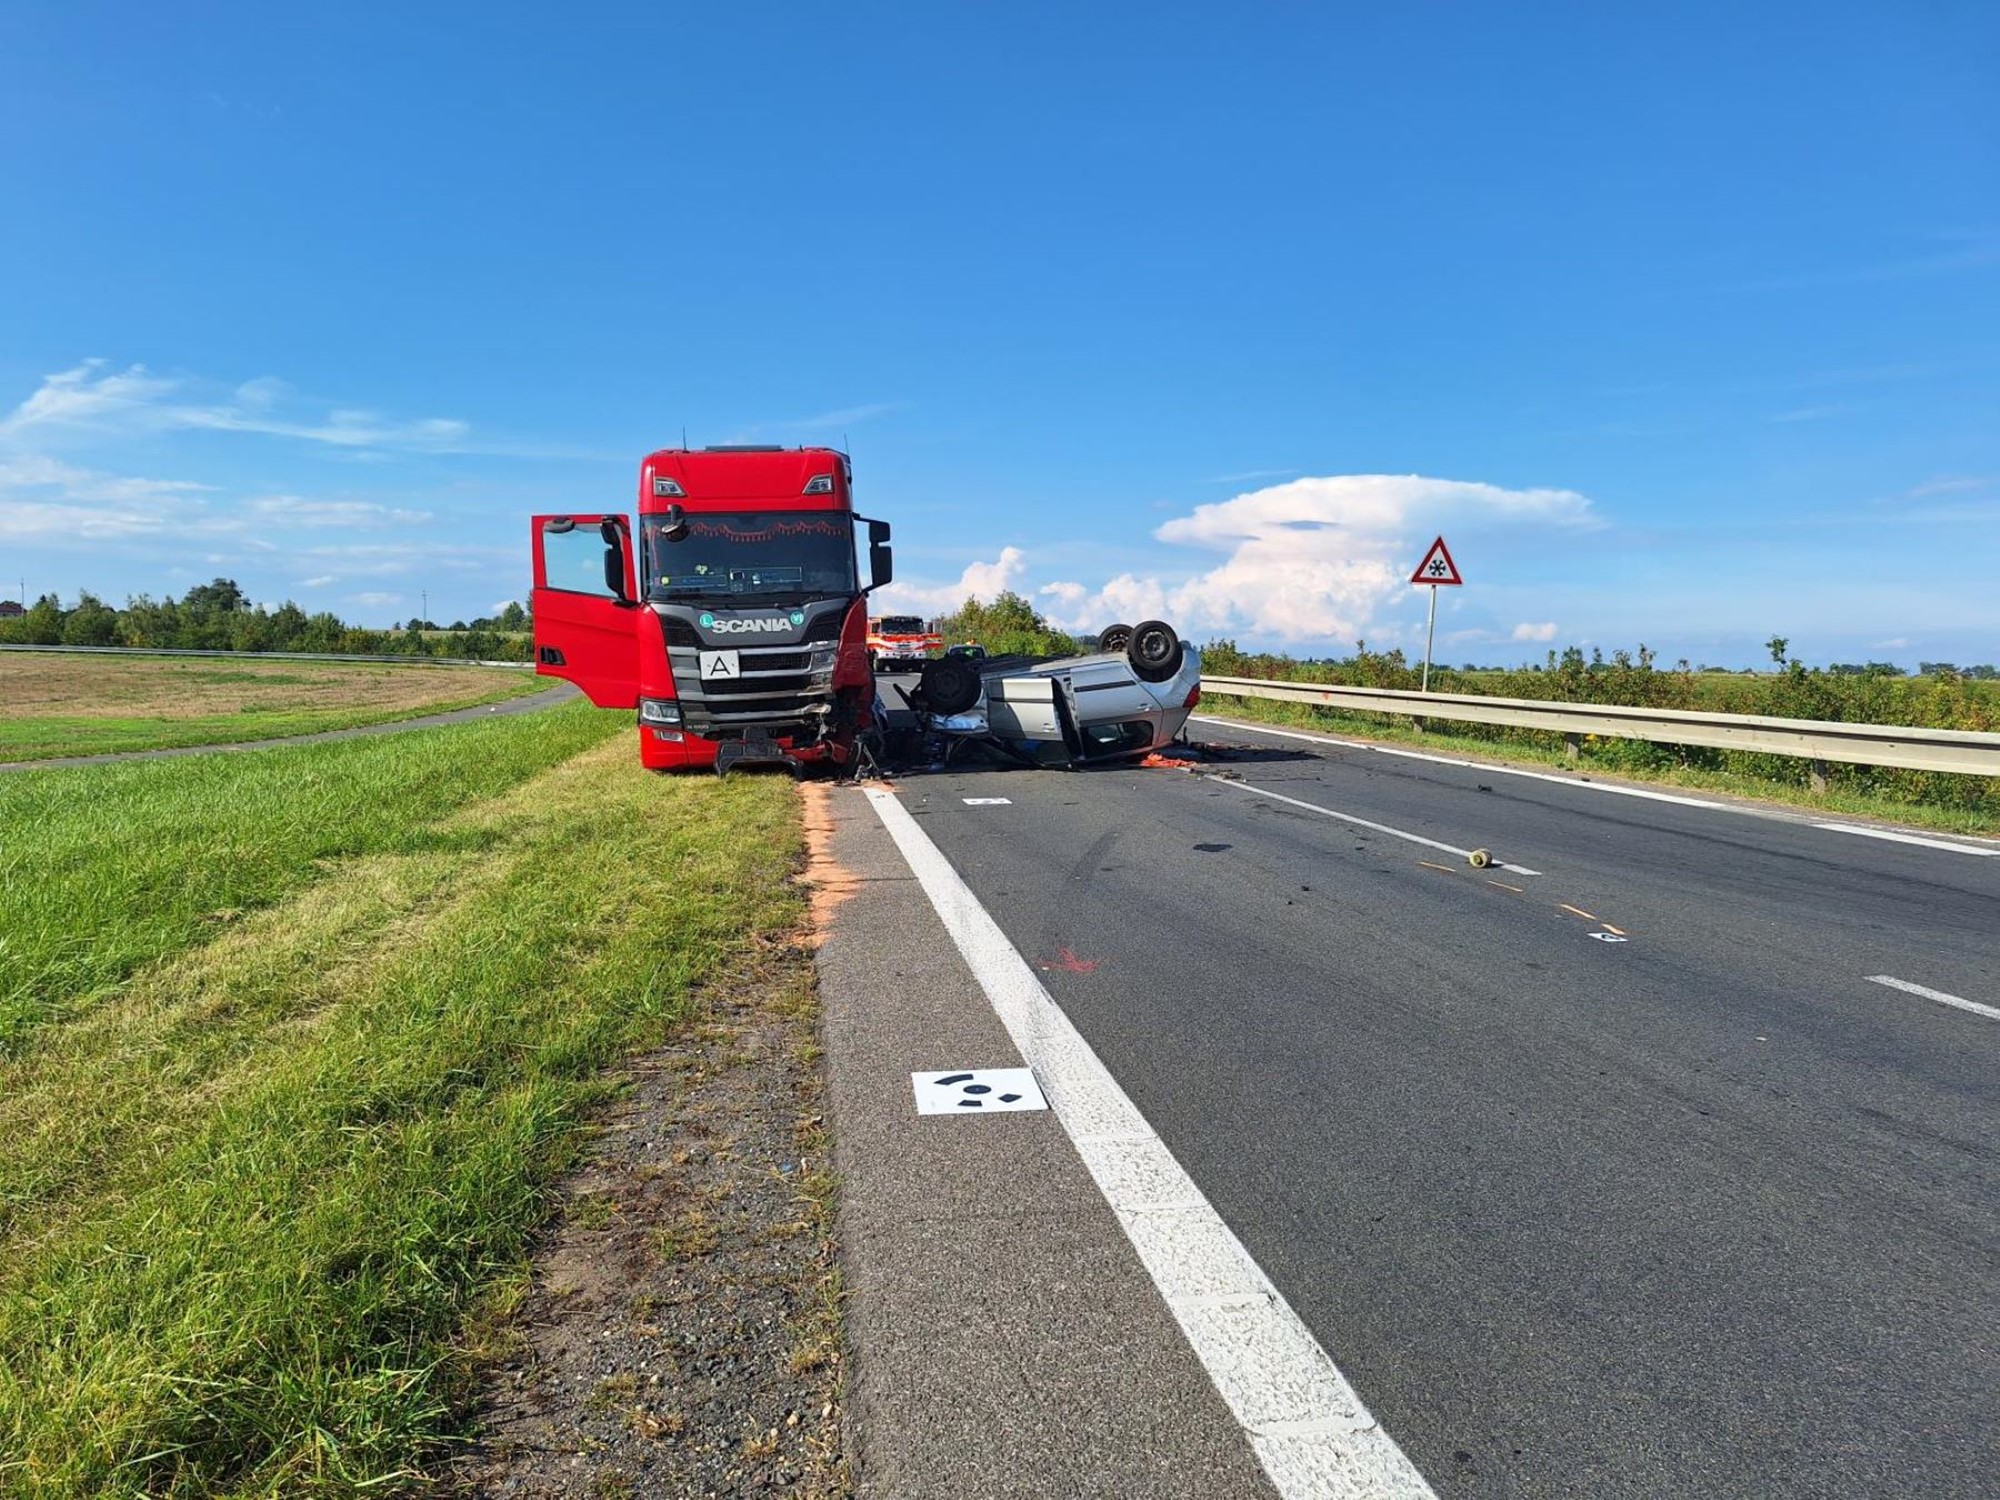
[1004, 1338]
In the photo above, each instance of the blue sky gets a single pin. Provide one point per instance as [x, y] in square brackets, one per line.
[1683, 326]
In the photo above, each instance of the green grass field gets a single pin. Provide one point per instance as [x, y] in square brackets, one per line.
[59, 704]
[291, 1047]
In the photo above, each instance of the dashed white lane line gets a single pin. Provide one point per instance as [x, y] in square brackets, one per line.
[987, 801]
[1312, 1433]
[1909, 838]
[1413, 838]
[1471, 765]
[1988, 850]
[1988, 1011]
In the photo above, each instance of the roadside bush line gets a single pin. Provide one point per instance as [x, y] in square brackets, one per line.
[1972, 806]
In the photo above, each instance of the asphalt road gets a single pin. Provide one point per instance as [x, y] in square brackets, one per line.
[1617, 1178]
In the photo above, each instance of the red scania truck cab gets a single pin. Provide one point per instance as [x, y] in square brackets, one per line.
[733, 619]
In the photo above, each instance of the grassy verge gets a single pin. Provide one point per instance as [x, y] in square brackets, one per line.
[251, 1195]
[97, 705]
[1610, 760]
[105, 868]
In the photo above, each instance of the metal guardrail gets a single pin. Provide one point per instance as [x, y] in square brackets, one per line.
[410, 661]
[1966, 751]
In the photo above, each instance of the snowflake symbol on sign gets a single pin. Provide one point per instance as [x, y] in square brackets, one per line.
[1437, 568]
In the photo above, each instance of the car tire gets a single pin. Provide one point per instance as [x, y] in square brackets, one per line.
[1155, 651]
[1115, 638]
[950, 685]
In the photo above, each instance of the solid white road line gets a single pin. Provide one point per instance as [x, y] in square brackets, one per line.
[1909, 838]
[1309, 1429]
[1414, 838]
[1940, 996]
[1472, 765]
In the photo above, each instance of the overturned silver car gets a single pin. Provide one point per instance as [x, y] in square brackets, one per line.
[1132, 695]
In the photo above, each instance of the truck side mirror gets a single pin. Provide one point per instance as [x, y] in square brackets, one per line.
[881, 560]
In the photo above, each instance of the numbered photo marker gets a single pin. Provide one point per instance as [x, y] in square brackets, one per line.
[974, 1091]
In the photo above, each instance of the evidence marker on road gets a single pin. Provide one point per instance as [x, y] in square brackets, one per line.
[977, 1090]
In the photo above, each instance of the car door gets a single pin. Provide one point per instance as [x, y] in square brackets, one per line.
[585, 610]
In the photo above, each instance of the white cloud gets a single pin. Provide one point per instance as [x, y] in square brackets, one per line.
[980, 580]
[299, 511]
[374, 600]
[29, 521]
[1126, 599]
[1246, 475]
[1528, 631]
[37, 471]
[94, 397]
[87, 394]
[824, 422]
[317, 583]
[1949, 485]
[1315, 559]
[51, 501]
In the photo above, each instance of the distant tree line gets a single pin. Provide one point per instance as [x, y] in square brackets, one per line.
[216, 616]
[1009, 626]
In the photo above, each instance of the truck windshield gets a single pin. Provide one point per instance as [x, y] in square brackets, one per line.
[733, 554]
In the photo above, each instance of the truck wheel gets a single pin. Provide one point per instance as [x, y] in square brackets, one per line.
[1155, 651]
[1115, 638]
[950, 685]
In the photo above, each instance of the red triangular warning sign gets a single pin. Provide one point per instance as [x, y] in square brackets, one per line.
[1437, 566]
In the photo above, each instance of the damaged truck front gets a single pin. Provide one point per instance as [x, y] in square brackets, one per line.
[734, 619]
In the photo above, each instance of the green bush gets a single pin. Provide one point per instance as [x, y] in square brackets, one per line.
[1878, 693]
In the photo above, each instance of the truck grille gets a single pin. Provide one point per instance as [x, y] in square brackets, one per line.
[774, 692]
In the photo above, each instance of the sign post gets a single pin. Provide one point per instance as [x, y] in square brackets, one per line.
[1436, 570]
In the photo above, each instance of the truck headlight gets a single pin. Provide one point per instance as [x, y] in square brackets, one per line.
[659, 711]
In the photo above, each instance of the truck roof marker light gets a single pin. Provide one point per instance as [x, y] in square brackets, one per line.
[665, 488]
[819, 484]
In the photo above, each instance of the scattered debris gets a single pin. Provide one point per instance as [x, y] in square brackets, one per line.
[1066, 962]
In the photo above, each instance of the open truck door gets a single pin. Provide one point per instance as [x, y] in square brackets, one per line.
[586, 606]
